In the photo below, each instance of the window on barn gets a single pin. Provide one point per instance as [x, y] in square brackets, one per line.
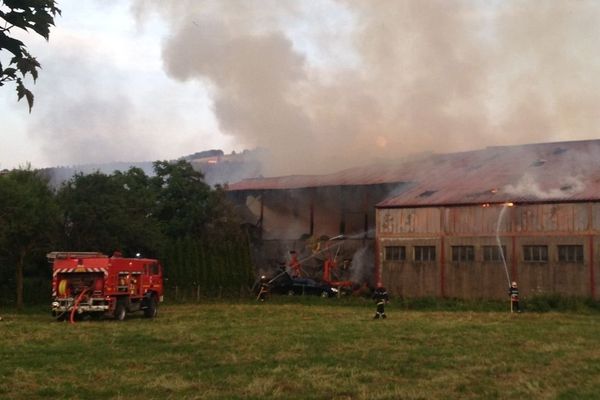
[394, 253]
[424, 253]
[535, 253]
[493, 254]
[570, 253]
[463, 253]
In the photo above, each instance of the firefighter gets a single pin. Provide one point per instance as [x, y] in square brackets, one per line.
[294, 264]
[381, 298]
[263, 288]
[513, 292]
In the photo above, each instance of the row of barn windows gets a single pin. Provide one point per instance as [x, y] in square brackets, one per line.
[531, 253]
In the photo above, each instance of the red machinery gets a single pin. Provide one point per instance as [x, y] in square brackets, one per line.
[87, 283]
[332, 250]
[330, 264]
[294, 264]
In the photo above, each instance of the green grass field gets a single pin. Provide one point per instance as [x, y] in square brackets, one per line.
[317, 349]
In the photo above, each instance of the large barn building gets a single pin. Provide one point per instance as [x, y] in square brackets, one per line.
[526, 213]
[454, 225]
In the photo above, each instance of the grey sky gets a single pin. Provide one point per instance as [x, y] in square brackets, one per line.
[102, 95]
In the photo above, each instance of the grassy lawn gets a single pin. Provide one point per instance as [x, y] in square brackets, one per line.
[318, 349]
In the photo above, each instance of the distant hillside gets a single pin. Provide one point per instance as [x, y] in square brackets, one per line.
[204, 154]
[217, 167]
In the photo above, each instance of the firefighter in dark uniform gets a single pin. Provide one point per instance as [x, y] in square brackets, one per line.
[513, 291]
[263, 288]
[381, 297]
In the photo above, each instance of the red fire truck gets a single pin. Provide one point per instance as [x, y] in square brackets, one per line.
[87, 283]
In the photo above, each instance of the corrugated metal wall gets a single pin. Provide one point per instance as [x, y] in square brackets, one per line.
[548, 225]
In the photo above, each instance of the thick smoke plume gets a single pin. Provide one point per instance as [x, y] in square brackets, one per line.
[331, 84]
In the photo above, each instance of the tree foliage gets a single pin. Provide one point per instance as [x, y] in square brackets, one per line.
[174, 216]
[109, 212]
[204, 243]
[28, 224]
[28, 15]
[183, 198]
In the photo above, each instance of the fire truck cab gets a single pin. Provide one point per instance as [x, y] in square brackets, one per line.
[88, 283]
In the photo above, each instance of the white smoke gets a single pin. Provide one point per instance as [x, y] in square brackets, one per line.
[529, 186]
[362, 265]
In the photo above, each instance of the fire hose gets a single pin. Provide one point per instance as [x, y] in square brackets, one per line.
[75, 304]
[322, 251]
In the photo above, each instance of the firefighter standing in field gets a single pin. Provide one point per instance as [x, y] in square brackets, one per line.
[381, 297]
[513, 291]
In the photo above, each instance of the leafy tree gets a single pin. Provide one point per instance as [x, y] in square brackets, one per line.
[35, 15]
[110, 212]
[28, 223]
[139, 197]
[183, 204]
[202, 228]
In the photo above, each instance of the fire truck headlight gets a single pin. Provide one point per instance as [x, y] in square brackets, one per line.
[334, 290]
[55, 304]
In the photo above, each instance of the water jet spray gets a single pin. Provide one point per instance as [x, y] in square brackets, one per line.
[505, 206]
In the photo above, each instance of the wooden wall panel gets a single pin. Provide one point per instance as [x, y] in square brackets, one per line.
[550, 225]
[408, 221]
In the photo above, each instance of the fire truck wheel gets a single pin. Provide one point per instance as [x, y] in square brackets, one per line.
[120, 311]
[152, 310]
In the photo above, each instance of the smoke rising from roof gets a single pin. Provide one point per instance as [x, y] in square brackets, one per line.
[400, 77]
[528, 186]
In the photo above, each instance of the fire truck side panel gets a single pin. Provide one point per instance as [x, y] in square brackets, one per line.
[96, 284]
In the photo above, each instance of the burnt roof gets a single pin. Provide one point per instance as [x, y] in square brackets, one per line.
[367, 175]
[561, 171]
[547, 172]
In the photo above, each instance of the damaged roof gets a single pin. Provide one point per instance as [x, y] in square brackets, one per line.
[561, 171]
[547, 172]
[375, 174]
